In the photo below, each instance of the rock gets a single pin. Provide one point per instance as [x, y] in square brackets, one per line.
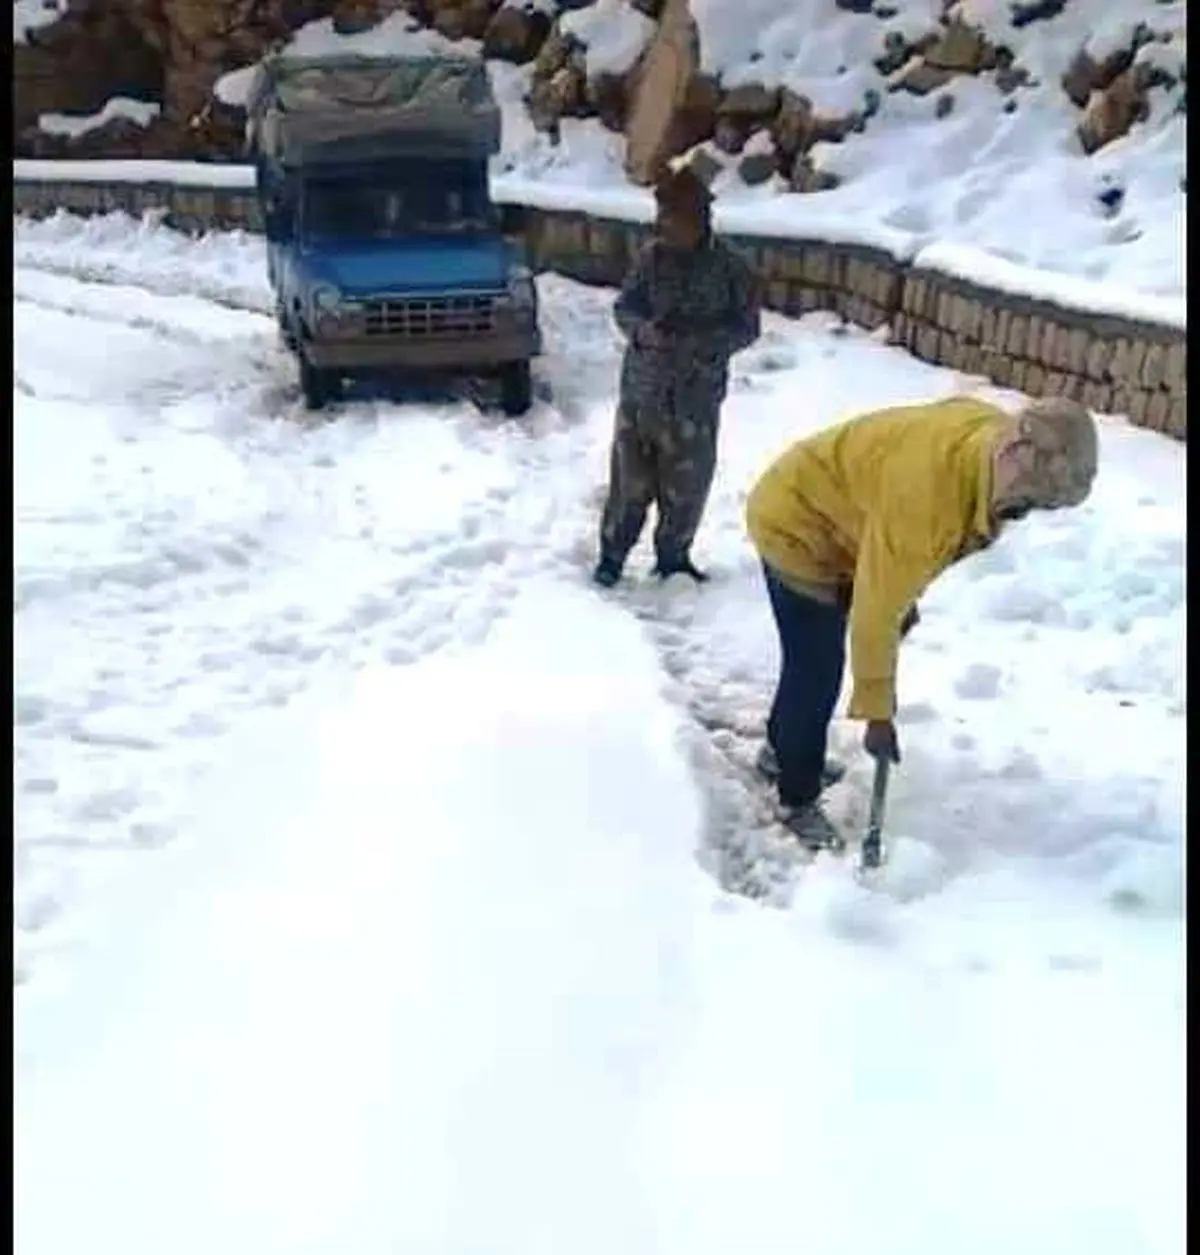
[607, 97]
[855, 6]
[805, 177]
[1110, 113]
[515, 35]
[792, 128]
[1036, 11]
[1080, 79]
[672, 102]
[120, 139]
[562, 95]
[651, 8]
[832, 128]
[477, 16]
[896, 52]
[1085, 76]
[919, 78]
[960, 48]
[554, 53]
[756, 168]
[729, 136]
[352, 17]
[451, 20]
[1111, 199]
[695, 119]
[704, 166]
[944, 106]
[749, 104]
[1009, 78]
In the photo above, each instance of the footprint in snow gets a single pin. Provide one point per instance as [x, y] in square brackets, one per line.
[979, 682]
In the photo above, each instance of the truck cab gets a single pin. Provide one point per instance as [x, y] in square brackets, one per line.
[384, 249]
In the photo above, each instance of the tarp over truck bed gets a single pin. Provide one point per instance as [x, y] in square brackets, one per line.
[316, 110]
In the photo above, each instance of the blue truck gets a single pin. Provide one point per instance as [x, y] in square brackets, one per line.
[385, 252]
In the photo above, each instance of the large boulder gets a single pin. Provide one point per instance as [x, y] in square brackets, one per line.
[1111, 112]
[516, 34]
[670, 103]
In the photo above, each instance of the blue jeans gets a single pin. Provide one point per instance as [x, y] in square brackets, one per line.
[812, 640]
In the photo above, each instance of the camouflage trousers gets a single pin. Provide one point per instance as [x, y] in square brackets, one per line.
[665, 459]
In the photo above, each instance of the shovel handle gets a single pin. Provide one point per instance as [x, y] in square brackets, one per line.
[872, 843]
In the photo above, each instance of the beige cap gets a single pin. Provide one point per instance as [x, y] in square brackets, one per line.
[1061, 434]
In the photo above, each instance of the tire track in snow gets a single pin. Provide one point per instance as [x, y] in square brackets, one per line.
[330, 576]
[227, 294]
[183, 318]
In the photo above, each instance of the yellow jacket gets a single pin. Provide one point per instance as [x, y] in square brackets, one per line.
[884, 502]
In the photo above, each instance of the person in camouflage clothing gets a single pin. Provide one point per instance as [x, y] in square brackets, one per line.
[687, 307]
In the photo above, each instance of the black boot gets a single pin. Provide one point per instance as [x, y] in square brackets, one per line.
[811, 827]
[666, 567]
[767, 766]
[607, 573]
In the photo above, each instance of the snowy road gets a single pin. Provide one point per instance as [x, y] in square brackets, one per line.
[321, 735]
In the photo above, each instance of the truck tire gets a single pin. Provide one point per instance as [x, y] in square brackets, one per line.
[516, 388]
[320, 385]
[286, 332]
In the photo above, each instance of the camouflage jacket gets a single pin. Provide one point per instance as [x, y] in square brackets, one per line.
[705, 302]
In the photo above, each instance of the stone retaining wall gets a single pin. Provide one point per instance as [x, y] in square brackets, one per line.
[1111, 364]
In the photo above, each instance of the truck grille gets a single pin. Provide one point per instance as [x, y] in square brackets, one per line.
[429, 316]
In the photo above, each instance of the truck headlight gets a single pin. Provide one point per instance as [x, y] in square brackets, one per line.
[340, 321]
[520, 297]
[521, 289]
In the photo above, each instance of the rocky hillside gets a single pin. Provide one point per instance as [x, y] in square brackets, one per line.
[1051, 133]
[606, 60]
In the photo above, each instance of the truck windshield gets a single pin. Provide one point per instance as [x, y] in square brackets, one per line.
[424, 201]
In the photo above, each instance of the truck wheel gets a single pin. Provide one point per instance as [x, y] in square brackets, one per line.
[516, 388]
[286, 333]
[319, 384]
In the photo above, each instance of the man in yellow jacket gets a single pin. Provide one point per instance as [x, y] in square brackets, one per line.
[854, 523]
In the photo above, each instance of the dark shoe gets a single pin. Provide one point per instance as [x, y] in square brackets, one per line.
[767, 766]
[809, 825]
[667, 567]
[607, 573]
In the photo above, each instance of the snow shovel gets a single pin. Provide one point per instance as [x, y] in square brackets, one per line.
[871, 853]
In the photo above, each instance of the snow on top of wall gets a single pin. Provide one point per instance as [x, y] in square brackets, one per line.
[31, 15]
[137, 170]
[142, 112]
[613, 32]
[1066, 291]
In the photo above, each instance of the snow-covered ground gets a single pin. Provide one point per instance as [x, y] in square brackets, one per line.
[1002, 174]
[372, 869]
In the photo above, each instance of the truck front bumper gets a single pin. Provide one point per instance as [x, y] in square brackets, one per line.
[403, 353]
